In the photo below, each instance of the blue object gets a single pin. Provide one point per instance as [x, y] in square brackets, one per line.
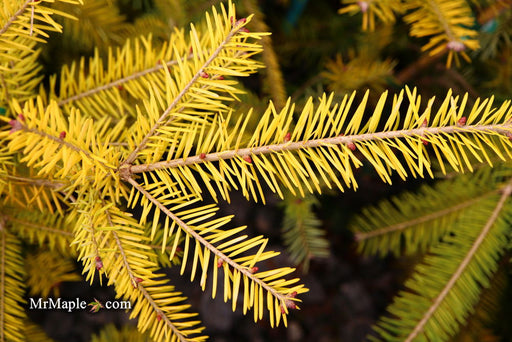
[294, 13]
[490, 26]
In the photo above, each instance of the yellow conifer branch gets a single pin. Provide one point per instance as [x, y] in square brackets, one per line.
[324, 140]
[15, 16]
[284, 297]
[165, 115]
[12, 286]
[121, 250]
[448, 23]
[39, 227]
[119, 82]
[112, 243]
[502, 129]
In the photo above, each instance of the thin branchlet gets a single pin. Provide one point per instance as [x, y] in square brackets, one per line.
[361, 236]
[505, 194]
[502, 129]
[165, 115]
[188, 230]
[120, 81]
[15, 16]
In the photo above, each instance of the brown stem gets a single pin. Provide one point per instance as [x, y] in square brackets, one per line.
[67, 144]
[198, 237]
[119, 82]
[39, 227]
[299, 145]
[121, 249]
[165, 116]
[405, 75]
[161, 314]
[14, 17]
[37, 182]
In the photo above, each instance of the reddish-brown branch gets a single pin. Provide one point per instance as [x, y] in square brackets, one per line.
[299, 145]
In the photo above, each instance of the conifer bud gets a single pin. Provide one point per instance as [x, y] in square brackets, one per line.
[220, 263]
[99, 263]
[248, 159]
[240, 21]
[159, 317]
[351, 146]
[455, 46]
[424, 124]
[202, 156]
[287, 137]
[462, 121]
[62, 135]
[204, 74]
[290, 304]
[21, 117]
[254, 269]
[363, 5]
[16, 126]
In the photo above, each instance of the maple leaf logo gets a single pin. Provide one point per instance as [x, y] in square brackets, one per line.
[95, 306]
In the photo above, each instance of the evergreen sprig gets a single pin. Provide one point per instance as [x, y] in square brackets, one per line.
[447, 285]
[150, 126]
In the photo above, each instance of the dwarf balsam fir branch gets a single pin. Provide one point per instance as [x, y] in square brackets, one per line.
[11, 282]
[111, 242]
[186, 90]
[212, 52]
[323, 143]
[448, 23]
[487, 124]
[80, 144]
[279, 297]
[88, 161]
[46, 229]
[23, 24]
